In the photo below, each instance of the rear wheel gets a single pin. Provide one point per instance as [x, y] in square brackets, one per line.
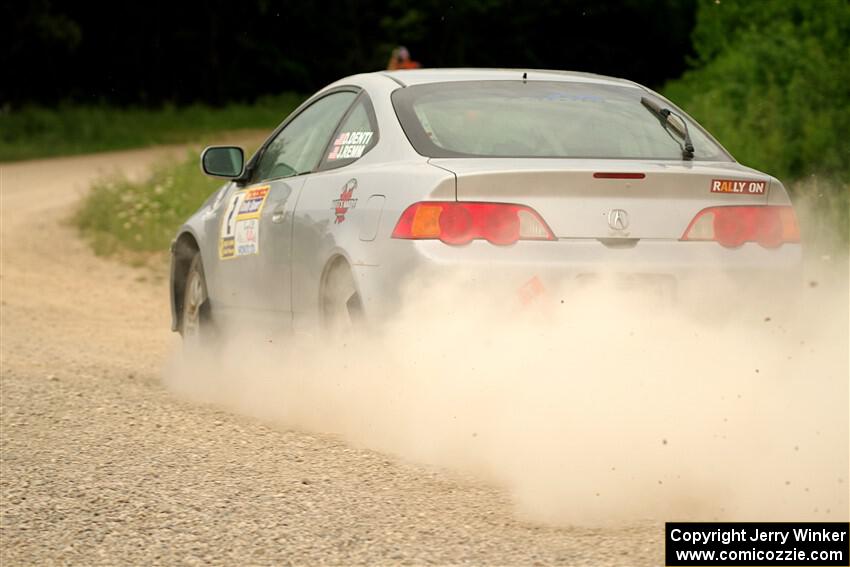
[341, 307]
[196, 326]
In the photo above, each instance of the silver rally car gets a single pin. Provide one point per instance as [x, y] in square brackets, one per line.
[529, 175]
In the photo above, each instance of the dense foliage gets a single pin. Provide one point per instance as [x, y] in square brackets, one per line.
[772, 83]
[217, 51]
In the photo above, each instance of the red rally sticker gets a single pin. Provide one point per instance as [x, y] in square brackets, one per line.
[345, 202]
[738, 187]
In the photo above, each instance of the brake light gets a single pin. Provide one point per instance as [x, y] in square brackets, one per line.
[770, 226]
[461, 222]
[618, 175]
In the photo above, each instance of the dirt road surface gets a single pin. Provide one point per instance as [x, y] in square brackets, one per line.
[102, 466]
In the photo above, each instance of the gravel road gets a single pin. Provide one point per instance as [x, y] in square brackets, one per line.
[102, 466]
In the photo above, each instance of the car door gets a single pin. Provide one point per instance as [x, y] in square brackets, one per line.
[338, 207]
[255, 224]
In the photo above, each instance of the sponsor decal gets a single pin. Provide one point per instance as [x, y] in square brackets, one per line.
[246, 237]
[738, 187]
[350, 145]
[240, 224]
[345, 201]
[253, 201]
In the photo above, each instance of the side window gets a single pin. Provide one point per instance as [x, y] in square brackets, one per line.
[298, 147]
[357, 134]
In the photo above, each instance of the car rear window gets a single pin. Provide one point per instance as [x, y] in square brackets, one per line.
[541, 119]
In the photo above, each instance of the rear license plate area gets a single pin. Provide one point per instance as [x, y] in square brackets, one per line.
[659, 286]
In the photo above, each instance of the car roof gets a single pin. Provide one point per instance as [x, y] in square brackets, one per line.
[424, 76]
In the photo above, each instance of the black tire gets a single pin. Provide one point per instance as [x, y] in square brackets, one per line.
[196, 325]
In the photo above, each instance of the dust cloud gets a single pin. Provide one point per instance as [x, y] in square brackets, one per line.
[590, 405]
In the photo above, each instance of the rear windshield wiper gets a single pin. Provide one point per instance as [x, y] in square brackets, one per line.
[663, 115]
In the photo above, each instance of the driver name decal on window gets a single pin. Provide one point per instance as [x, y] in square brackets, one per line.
[240, 224]
[350, 145]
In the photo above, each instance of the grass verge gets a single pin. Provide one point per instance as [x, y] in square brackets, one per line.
[123, 216]
[36, 132]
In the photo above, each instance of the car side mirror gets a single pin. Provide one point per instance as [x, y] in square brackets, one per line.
[223, 161]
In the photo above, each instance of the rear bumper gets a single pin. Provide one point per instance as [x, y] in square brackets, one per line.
[689, 267]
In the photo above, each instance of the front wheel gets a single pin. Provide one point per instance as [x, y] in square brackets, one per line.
[196, 326]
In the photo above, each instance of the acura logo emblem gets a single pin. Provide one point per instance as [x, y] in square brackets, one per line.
[618, 219]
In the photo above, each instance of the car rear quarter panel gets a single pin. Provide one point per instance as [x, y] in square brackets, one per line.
[321, 235]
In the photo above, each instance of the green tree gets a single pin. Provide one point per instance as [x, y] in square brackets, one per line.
[772, 82]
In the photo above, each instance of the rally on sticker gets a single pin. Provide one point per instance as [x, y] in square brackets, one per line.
[738, 187]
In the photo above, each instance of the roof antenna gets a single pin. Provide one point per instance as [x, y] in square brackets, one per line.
[524, 76]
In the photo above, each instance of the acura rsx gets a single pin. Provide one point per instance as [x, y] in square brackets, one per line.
[531, 175]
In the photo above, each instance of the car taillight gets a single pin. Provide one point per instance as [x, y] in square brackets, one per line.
[460, 222]
[768, 225]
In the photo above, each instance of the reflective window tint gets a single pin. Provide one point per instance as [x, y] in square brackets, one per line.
[540, 119]
[298, 147]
